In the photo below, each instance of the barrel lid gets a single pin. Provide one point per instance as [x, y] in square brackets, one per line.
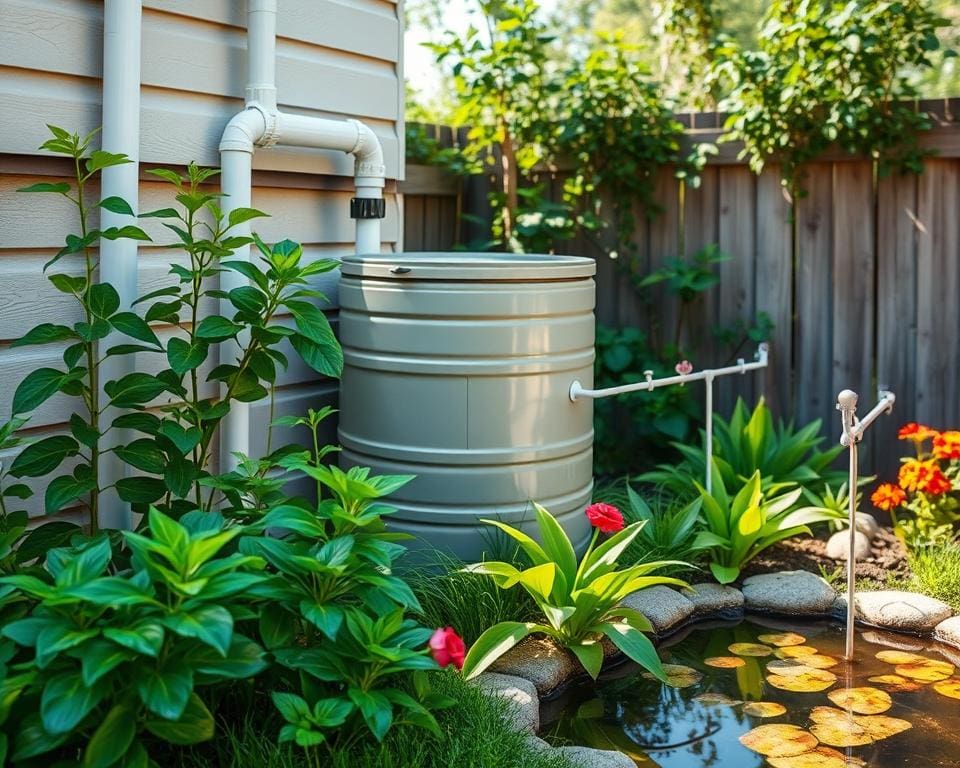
[459, 266]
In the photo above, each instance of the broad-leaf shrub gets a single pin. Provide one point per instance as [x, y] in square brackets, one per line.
[738, 528]
[106, 659]
[749, 443]
[579, 601]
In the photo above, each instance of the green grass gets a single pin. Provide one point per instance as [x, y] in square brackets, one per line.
[935, 571]
[474, 736]
[470, 603]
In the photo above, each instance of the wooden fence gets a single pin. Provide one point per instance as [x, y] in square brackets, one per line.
[862, 281]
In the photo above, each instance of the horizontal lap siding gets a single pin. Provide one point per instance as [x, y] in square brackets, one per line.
[334, 59]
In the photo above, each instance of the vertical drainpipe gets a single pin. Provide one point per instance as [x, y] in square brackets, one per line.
[118, 258]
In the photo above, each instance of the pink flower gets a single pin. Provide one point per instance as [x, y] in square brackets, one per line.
[447, 647]
[684, 367]
[606, 517]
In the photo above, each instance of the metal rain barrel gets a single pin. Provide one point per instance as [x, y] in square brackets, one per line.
[457, 369]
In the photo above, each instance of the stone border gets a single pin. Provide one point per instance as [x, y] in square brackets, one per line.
[536, 671]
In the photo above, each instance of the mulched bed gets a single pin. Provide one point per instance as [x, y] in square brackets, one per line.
[887, 556]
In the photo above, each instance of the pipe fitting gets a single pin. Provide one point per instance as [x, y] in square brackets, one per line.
[245, 129]
[369, 169]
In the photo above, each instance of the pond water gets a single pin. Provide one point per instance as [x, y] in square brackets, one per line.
[746, 695]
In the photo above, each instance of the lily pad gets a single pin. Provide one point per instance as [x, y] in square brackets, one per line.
[724, 662]
[795, 651]
[788, 667]
[779, 740]
[926, 671]
[678, 676]
[821, 757]
[782, 639]
[819, 661]
[809, 681]
[715, 700]
[899, 657]
[863, 701]
[750, 649]
[949, 687]
[841, 729]
[896, 683]
[764, 709]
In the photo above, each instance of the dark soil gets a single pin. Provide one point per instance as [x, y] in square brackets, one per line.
[888, 558]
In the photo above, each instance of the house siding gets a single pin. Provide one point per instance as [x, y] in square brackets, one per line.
[334, 59]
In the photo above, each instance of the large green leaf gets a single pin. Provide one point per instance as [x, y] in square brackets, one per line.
[145, 637]
[44, 456]
[103, 300]
[165, 691]
[45, 333]
[184, 355]
[212, 625]
[325, 358]
[65, 489]
[67, 700]
[134, 389]
[636, 645]
[112, 738]
[216, 328]
[590, 656]
[134, 326]
[195, 724]
[36, 388]
[492, 644]
[557, 545]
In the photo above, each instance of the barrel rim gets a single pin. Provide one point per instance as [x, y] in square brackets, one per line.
[467, 266]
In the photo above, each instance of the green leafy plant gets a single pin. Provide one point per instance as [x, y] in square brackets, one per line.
[827, 73]
[737, 529]
[668, 532]
[750, 444]
[104, 662]
[580, 601]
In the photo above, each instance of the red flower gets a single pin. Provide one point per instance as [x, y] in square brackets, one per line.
[946, 445]
[606, 517]
[447, 648]
[937, 483]
[888, 496]
[916, 432]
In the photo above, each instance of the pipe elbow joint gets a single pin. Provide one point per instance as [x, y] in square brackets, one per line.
[245, 130]
[370, 169]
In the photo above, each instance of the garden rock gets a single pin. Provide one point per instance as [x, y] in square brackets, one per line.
[714, 598]
[665, 607]
[904, 611]
[867, 524]
[948, 631]
[838, 546]
[587, 757]
[893, 640]
[523, 711]
[788, 592]
[539, 661]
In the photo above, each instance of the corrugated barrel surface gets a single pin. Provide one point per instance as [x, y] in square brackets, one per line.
[457, 370]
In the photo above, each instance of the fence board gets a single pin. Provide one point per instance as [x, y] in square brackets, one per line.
[700, 229]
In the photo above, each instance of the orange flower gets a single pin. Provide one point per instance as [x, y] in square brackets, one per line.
[887, 496]
[946, 445]
[914, 474]
[916, 432]
[937, 483]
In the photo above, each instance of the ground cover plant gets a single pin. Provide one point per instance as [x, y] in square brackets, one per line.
[578, 600]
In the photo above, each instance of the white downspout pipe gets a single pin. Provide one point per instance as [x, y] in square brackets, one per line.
[261, 124]
[118, 258]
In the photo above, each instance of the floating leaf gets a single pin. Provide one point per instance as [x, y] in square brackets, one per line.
[763, 709]
[896, 683]
[782, 639]
[779, 740]
[949, 687]
[724, 662]
[788, 667]
[841, 729]
[805, 682]
[819, 661]
[821, 757]
[795, 652]
[863, 701]
[899, 657]
[750, 649]
[715, 700]
[678, 676]
[926, 671]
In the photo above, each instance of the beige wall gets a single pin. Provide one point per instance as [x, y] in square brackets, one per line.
[335, 59]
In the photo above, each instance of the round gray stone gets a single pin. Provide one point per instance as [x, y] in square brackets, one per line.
[788, 592]
[838, 546]
[904, 611]
[541, 662]
[867, 524]
[587, 757]
[523, 711]
[714, 598]
[665, 607]
[948, 631]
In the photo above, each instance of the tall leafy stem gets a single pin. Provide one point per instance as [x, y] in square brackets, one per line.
[99, 304]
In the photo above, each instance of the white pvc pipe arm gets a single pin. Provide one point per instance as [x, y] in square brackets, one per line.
[853, 431]
[577, 390]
